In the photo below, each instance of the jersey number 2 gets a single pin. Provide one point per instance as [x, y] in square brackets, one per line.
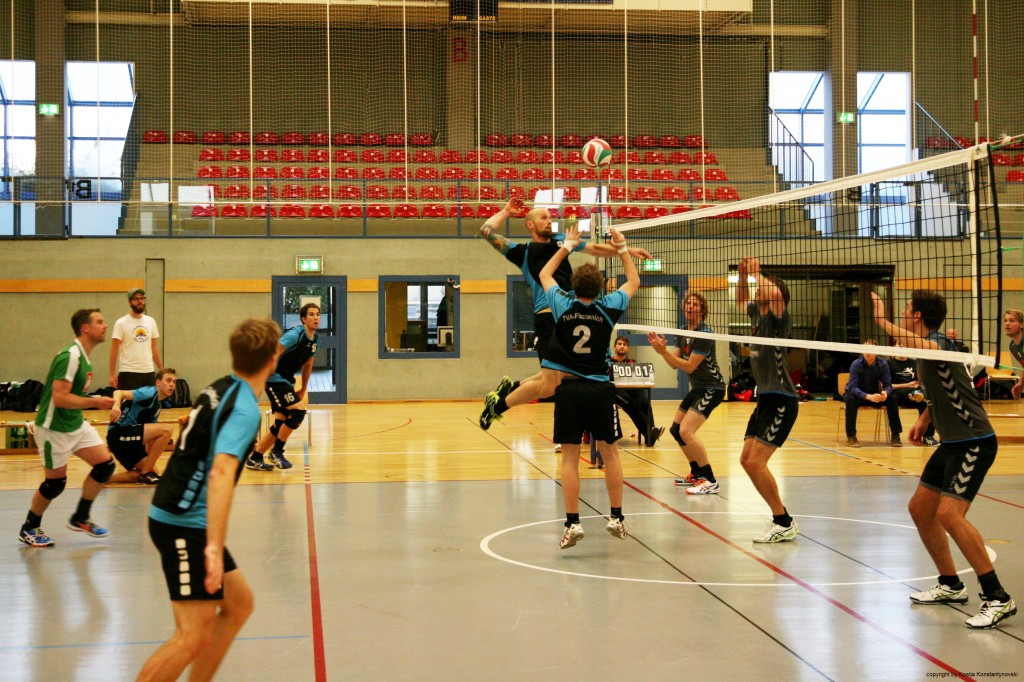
[581, 346]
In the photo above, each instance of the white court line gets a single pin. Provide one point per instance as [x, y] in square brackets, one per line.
[486, 549]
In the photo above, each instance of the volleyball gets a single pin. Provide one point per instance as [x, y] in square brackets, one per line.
[597, 152]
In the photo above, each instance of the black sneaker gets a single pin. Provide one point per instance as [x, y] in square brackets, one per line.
[654, 435]
[255, 463]
[489, 415]
[504, 387]
[148, 478]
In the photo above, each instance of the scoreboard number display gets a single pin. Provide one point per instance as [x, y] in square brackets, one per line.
[633, 375]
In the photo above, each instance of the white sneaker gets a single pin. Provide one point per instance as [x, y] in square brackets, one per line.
[991, 613]
[571, 536]
[776, 533]
[705, 487]
[940, 594]
[558, 447]
[617, 527]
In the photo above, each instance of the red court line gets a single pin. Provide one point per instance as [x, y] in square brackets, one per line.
[810, 588]
[319, 661]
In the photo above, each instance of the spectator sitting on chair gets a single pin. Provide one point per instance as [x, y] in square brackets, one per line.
[635, 402]
[870, 383]
[907, 391]
[1013, 325]
[959, 345]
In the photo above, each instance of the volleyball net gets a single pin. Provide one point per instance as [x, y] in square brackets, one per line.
[931, 224]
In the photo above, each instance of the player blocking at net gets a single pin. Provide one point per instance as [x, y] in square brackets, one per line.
[954, 473]
[585, 396]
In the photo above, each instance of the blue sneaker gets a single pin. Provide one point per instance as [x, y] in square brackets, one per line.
[256, 463]
[35, 538]
[278, 460]
[88, 527]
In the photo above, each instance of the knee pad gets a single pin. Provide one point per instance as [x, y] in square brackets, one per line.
[101, 473]
[295, 418]
[674, 430]
[276, 427]
[50, 488]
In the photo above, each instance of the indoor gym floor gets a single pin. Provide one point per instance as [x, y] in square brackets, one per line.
[408, 544]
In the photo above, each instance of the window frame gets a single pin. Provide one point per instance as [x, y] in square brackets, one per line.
[510, 325]
[382, 350]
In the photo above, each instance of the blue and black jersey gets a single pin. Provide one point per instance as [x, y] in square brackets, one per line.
[143, 408]
[583, 333]
[298, 348]
[531, 258]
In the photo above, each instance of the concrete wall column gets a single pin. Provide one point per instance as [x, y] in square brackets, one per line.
[49, 58]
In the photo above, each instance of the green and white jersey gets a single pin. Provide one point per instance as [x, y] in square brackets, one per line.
[71, 364]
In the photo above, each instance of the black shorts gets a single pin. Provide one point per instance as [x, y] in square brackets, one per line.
[703, 402]
[182, 556]
[127, 444]
[544, 329]
[958, 469]
[282, 396]
[129, 381]
[584, 405]
[772, 419]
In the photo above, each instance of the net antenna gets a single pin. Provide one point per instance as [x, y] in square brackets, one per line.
[930, 224]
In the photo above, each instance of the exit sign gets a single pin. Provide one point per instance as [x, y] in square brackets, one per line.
[652, 265]
[49, 109]
[846, 117]
[309, 265]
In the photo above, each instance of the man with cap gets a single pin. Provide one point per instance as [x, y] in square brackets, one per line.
[134, 356]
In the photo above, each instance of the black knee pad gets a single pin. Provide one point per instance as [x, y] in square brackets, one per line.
[101, 473]
[50, 488]
[674, 430]
[295, 418]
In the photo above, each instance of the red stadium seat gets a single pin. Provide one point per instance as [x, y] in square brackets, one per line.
[463, 210]
[534, 174]
[378, 211]
[496, 140]
[693, 142]
[215, 190]
[742, 214]
[266, 155]
[434, 211]
[964, 142]
[236, 192]
[345, 173]
[237, 172]
[561, 174]
[394, 139]
[571, 141]
[318, 172]
[260, 211]
[936, 143]
[348, 192]
[997, 160]
[488, 192]
[427, 173]
[1015, 176]
[372, 156]
[350, 211]
[293, 211]
[645, 141]
[1018, 160]
[293, 137]
[612, 174]
[655, 211]
[645, 194]
[617, 193]
[343, 139]
[454, 173]
[260, 192]
[374, 173]
[527, 156]
[544, 140]
[424, 156]
[450, 156]
[292, 172]
[481, 174]
[617, 141]
[264, 172]
[571, 193]
[521, 140]
[403, 192]
[513, 191]
[344, 156]
[574, 157]
[701, 194]
[421, 140]
[211, 172]
[318, 139]
[370, 139]
[674, 194]
[234, 211]
[397, 156]
[214, 154]
[553, 156]
[267, 137]
[239, 137]
[477, 156]
[585, 174]
[689, 174]
[318, 156]
[406, 211]
[662, 174]
[628, 212]
[321, 211]
[238, 155]
[669, 141]
[638, 174]
[293, 191]
[184, 137]
[319, 192]
[680, 209]
[715, 175]
[459, 192]
[575, 212]
[204, 211]
[377, 192]
[531, 193]
[431, 192]
[502, 156]
[398, 173]
[655, 158]
[631, 157]
[154, 137]
[507, 173]
[486, 210]
[705, 158]
[680, 158]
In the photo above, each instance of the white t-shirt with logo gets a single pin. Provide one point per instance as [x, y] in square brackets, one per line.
[136, 336]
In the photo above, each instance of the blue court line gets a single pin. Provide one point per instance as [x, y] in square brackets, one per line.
[94, 645]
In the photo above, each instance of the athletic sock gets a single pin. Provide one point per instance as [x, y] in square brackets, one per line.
[32, 521]
[783, 519]
[278, 445]
[501, 406]
[84, 507]
[256, 455]
[617, 513]
[991, 587]
[571, 519]
[706, 472]
[515, 385]
[694, 468]
[952, 581]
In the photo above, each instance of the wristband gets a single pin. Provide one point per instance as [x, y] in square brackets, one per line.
[620, 247]
[569, 245]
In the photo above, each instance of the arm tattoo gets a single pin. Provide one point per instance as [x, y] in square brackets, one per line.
[498, 241]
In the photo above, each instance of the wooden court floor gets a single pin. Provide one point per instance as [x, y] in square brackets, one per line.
[407, 544]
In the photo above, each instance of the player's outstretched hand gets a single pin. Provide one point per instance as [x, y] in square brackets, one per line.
[878, 307]
[516, 206]
[657, 342]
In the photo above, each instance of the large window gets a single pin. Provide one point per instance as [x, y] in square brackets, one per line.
[520, 317]
[797, 100]
[101, 96]
[883, 113]
[419, 316]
